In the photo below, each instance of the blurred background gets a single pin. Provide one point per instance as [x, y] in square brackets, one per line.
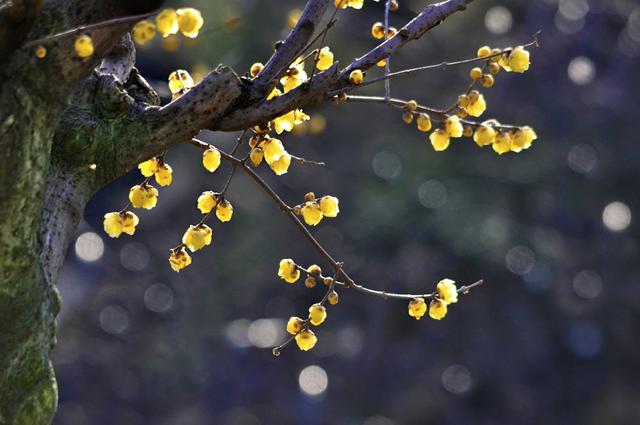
[551, 338]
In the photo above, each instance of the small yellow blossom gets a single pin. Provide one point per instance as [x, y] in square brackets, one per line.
[294, 325]
[306, 340]
[423, 122]
[143, 196]
[113, 224]
[477, 106]
[167, 22]
[447, 291]
[189, 21]
[164, 175]
[417, 308]
[83, 46]
[256, 156]
[294, 76]
[281, 166]
[273, 150]
[377, 30]
[180, 81]
[311, 213]
[293, 17]
[40, 52]
[179, 259]
[523, 138]
[475, 73]
[211, 159]
[310, 282]
[502, 144]
[519, 60]
[439, 140]
[143, 32]
[197, 237]
[224, 211]
[284, 122]
[255, 69]
[288, 271]
[129, 222]
[148, 167]
[484, 135]
[484, 51]
[314, 270]
[333, 298]
[329, 206]
[317, 314]
[437, 309]
[356, 4]
[325, 59]
[356, 77]
[207, 201]
[453, 126]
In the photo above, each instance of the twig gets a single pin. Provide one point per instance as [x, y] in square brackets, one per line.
[82, 28]
[387, 65]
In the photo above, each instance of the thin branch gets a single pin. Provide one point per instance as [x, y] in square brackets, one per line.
[387, 65]
[83, 28]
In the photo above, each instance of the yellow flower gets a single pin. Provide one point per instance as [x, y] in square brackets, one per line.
[256, 156]
[273, 150]
[502, 144]
[453, 126]
[447, 291]
[224, 211]
[484, 135]
[317, 314]
[189, 21]
[484, 51]
[294, 325]
[356, 77]
[377, 30]
[519, 60]
[180, 81]
[83, 46]
[149, 167]
[293, 17]
[281, 166]
[211, 159]
[311, 213]
[179, 259]
[439, 140]
[333, 298]
[314, 270]
[306, 340]
[197, 237]
[143, 196]
[288, 271]
[417, 308]
[325, 59]
[329, 206]
[40, 52]
[284, 122]
[143, 32]
[423, 122]
[113, 224]
[255, 69]
[477, 106]
[129, 222]
[167, 22]
[294, 76]
[207, 201]
[522, 138]
[164, 175]
[437, 309]
[356, 4]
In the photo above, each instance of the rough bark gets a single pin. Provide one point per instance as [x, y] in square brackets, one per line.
[70, 126]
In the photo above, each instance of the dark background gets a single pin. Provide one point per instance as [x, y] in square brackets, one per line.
[551, 338]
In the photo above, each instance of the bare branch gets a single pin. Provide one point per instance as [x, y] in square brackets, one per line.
[287, 51]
